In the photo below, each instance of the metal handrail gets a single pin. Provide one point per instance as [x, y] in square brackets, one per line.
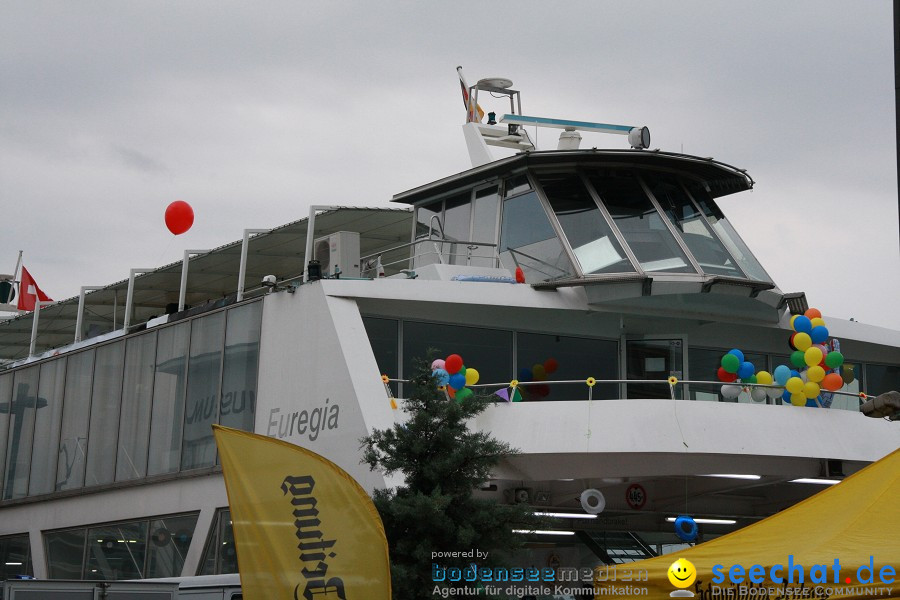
[672, 382]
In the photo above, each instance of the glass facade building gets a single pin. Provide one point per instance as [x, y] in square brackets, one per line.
[130, 408]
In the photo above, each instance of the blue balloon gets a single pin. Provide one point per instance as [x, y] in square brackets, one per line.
[746, 370]
[781, 374]
[786, 398]
[442, 376]
[795, 373]
[457, 381]
[812, 403]
[802, 324]
[525, 374]
[738, 353]
[819, 334]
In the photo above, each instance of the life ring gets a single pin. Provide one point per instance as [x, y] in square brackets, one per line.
[686, 528]
[599, 502]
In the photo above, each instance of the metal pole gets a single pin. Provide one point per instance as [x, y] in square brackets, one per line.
[34, 324]
[182, 291]
[243, 268]
[129, 298]
[80, 317]
[310, 232]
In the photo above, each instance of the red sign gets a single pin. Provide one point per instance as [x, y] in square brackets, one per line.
[636, 496]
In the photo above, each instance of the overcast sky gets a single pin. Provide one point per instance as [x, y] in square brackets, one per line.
[250, 112]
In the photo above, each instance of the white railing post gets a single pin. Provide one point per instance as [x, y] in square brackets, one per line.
[242, 273]
[34, 323]
[129, 298]
[79, 318]
[182, 291]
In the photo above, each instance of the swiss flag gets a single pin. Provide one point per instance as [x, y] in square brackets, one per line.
[29, 292]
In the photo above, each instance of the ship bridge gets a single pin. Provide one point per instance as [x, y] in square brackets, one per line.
[633, 228]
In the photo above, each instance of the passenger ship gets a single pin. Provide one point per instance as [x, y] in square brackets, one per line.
[635, 282]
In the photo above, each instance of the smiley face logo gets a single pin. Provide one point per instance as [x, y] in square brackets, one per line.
[682, 573]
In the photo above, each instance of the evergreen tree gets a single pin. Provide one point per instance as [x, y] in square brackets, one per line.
[442, 463]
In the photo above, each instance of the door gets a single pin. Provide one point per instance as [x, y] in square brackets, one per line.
[653, 360]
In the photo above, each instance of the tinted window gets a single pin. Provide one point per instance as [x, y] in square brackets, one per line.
[528, 240]
[708, 250]
[641, 225]
[76, 414]
[47, 426]
[544, 357]
[204, 375]
[137, 400]
[589, 234]
[104, 427]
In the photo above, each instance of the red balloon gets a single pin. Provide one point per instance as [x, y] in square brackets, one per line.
[791, 341]
[725, 376]
[551, 365]
[453, 363]
[179, 217]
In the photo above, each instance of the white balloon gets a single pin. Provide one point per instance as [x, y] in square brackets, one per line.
[758, 394]
[774, 392]
[731, 391]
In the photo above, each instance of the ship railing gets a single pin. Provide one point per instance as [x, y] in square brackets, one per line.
[429, 250]
[507, 390]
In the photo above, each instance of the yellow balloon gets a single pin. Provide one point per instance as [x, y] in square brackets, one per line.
[811, 389]
[815, 374]
[793, 318]
[817, 322]
[538, 372]
[472, 376]
[794, 385]
[802, 341]
[813, 356]
[764, 378]
[798, 399]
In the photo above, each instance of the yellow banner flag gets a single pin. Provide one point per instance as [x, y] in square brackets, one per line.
[303, 527]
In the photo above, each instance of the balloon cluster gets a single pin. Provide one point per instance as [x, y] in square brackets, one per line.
[818, 361]
[538, 372]
[734, 367]
[453, 376]
[817, 367]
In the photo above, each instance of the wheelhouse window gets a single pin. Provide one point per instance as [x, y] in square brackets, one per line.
[709, 252]
[587, 230]
[641, 225]
[729, 236]
[528, 240]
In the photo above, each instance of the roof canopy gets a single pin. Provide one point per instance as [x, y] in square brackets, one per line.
[212, 276]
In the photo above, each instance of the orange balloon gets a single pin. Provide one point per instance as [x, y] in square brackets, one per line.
[813, 313]
[833, 382]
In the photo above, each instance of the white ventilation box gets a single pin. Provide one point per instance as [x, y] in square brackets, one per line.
[338, 250]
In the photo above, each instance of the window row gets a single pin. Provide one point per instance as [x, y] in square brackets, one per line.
[127, 550]
[601, 221]
[502, 355]
[133, 408]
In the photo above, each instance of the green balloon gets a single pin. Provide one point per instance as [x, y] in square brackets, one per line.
[798, 358]
[464, 394]
[834, 359]
[751, 379]
[731, 363]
